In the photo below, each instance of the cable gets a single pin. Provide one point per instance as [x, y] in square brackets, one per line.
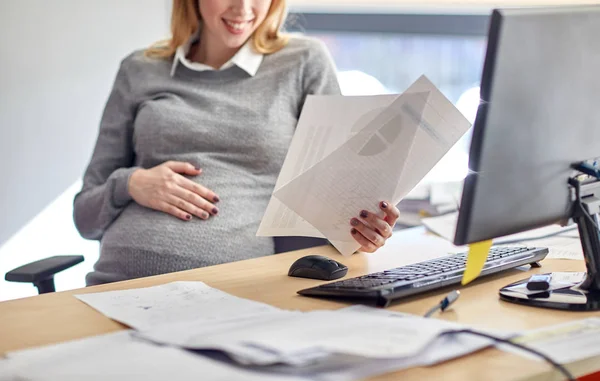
[445, 303]
[556, 365]
[453, 296]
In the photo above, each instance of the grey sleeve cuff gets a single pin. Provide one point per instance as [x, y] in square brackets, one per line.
[119, 180]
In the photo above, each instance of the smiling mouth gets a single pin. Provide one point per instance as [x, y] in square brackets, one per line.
[237, 26]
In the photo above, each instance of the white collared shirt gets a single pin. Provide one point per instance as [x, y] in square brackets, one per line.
[246, 58]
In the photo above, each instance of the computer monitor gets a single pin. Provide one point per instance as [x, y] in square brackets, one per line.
[539, 115]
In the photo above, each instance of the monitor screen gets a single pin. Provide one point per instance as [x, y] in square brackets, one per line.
[539, 114]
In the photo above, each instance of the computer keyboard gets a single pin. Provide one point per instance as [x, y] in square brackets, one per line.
[390, 285]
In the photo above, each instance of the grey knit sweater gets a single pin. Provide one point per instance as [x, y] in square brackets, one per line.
[234, 126]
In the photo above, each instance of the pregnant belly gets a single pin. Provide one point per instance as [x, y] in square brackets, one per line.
[231, 235]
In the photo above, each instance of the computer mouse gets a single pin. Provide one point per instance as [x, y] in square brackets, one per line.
[317, 267]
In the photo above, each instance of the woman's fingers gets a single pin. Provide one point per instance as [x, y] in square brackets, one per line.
[186, 207]
[165, 188]
[366, 245]
[392, 213]
[198, 203]
[164, 206]
[182, 167]
[380, 225]
[368, 233]
[371, 231]
[198, 189]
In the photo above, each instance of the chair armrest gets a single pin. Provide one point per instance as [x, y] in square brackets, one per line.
[44, 269]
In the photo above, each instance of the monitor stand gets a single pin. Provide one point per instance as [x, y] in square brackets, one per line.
[585, 296]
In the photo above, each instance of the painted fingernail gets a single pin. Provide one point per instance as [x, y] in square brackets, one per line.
[364, 214]
[216, 199]
[188, 217]
[205, 215]
[384, 205]
[353, 231]
[215, 211]
[354, 222]
[197, 168]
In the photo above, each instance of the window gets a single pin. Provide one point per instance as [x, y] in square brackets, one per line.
[383, 53]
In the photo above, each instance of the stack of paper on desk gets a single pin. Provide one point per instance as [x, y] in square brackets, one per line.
[349, 367]
[342, 345]
[120, 356]
[307, 338]
[195, 316]
[350, 153]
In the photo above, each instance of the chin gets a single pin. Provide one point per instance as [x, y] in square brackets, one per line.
[235, 43]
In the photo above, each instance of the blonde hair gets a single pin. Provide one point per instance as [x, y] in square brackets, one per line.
[186, 19]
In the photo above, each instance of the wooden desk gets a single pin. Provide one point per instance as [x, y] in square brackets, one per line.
[58, 317]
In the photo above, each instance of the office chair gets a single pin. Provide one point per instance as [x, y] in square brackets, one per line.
[41, 273]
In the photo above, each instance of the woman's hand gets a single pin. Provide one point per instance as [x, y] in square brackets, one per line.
[164, 188]
[371, 231]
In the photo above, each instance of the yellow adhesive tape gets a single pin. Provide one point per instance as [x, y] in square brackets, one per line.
[478, 253]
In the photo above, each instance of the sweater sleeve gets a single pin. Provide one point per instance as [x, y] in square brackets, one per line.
[105, 193]
[320, 73]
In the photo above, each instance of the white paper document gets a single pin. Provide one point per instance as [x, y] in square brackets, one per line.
[195, 335]
[289, 337]
[119, 356]
[144, 308]
[350, 153]
[564, 343]
[350, 368]
[343, 345]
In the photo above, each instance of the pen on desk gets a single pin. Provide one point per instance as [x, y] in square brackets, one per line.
[445, 303]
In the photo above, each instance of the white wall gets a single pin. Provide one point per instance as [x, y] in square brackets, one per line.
[58, 59]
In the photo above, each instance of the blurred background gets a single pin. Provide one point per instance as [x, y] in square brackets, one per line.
[58, 59]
